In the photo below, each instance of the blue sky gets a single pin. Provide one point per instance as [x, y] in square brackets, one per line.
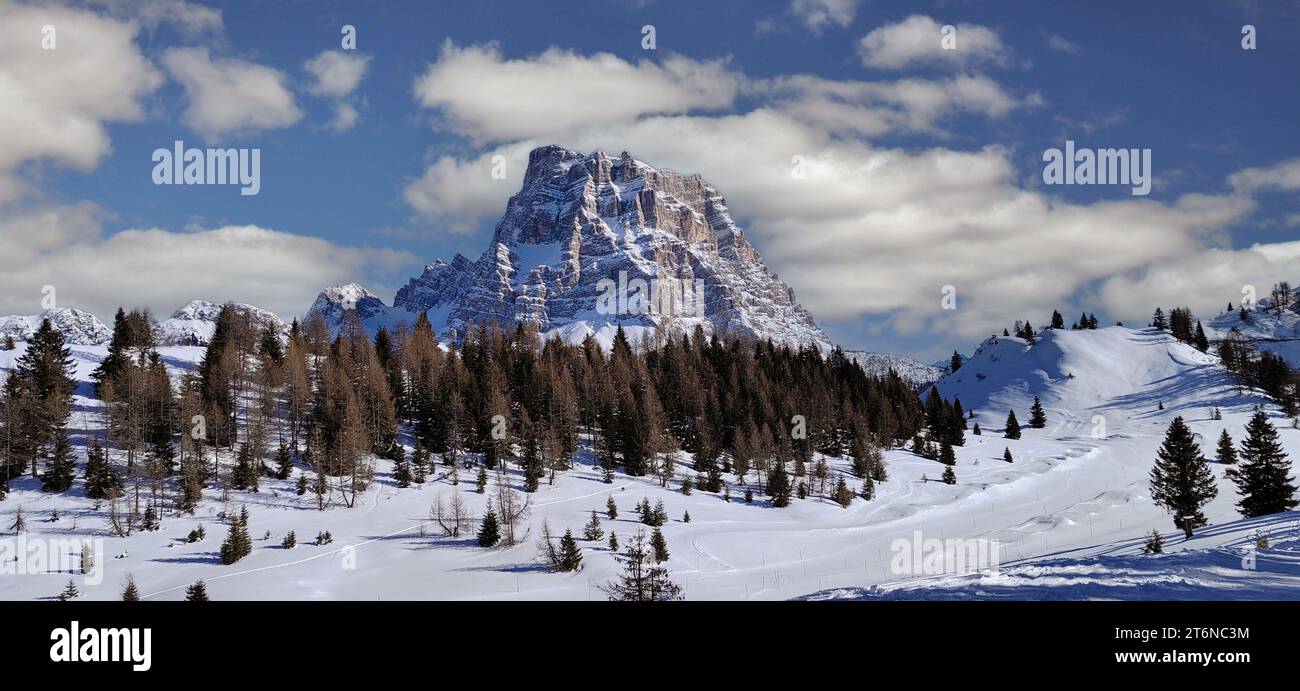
[1026, 76]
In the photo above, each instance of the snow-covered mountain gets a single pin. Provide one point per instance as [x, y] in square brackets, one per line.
[194, 323]
[333, 304]
[1274, 330]
[592, 242]
[910, 369]
[77, 327]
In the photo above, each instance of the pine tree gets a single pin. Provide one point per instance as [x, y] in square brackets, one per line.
[1006, 455]
[843, 495]
[1158, 319]
[570, 553]
[954, 363]
[641, 582]
[130, 593]
[1013, 426]
[593, 531]
[402, 471]
[976, 430]
[290, 541]
[686, 517]
[1226, 453]
[284, 463]
[1200, 341]
[1181, 480]
[301, 488]
[946, 455]
[613, 542]
[480, 483]
[238, 544]
[489, 533]
[1037, 418]
[70, 592]
[60, 467]
[611, 508]
[868, 489]
[1262, 476]
[778, 485]
[245, 475]
[1058, 322]
[197, 592]
[101, 481]
[659, 546]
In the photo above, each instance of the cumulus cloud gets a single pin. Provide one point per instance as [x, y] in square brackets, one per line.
[492, 99]
[230, 95]
[336, 73]
[189, 18]
[57, 102]
[819, 14]
[64, 246]
[917, 41]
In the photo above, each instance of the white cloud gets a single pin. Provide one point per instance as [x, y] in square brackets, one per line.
[230, 95]
[65, 247]
[336, 73]
[1062, 45]
[490, 99]
[917, 41]
[1204, 281]
[190, 18]
[818, 14]
[1283, 176]
[56, 102]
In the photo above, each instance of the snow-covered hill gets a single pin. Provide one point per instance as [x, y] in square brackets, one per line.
[593, 241]
[910, 369]
[81, 328]
[1067, 513]
[1267, 328]
[195, 323]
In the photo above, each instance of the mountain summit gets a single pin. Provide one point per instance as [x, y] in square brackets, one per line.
[592, 242]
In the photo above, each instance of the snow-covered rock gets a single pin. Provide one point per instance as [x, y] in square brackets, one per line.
[909, 369]
[333, 304]
[577, 241]
[77, 327]
[195, 323]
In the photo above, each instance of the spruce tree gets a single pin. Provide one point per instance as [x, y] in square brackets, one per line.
[843, 495]
[237, 544]
[954, 363]
[946, 455]
[290, 541]
[1263, 475]
[489, 533]
[613, 542]
[593, 531]
[641, 582]
[301, 487]
[570, 554]
[611, 508]
[949, 477]
[1226, 453]
[659, 546]
[976, 430]
[130, 593]
[480, 483]
[283, 462]
[1013, 426]
[60, 467]
[70, 592]
[1037, 418]
[868, 489]
[197, 592]
[1006, 455]
[101, 481]
[686, 517]
[778, 485]
[1181, 480]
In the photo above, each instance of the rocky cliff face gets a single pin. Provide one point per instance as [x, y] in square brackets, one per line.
[77, 327]
[592, 242]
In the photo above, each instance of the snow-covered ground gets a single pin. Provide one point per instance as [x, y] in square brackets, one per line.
[1068, 515]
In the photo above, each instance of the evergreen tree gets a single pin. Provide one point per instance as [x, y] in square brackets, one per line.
[70, 592]
[1226, 453]
[1013, 426]
[283, 463]
[245, 475]
[641, 582]
[593, 531]
[197, 592]
[402, 470]
[843, 495]
[1058, 322]
[949, 477]
[1006, 455]
[489, 533]
[60, 467]
[946, 455]
[778, 485]
[1200, 341]
[954, 364]
[1037, 418]
[1181, 480]
[659, 546]
[238, 544]
[611, 508]
[613, 542]
[686, 517]
[480, 483]
[1263, 475]
[301, 488]
[130, 593]
[1158, 319]
[976, 430]
[290, 541]
[868, 489]
[570, 553]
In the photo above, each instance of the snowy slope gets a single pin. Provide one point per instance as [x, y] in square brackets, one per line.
[1074, 492]
[910, 369]
[195, 323]
[1276, 331]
